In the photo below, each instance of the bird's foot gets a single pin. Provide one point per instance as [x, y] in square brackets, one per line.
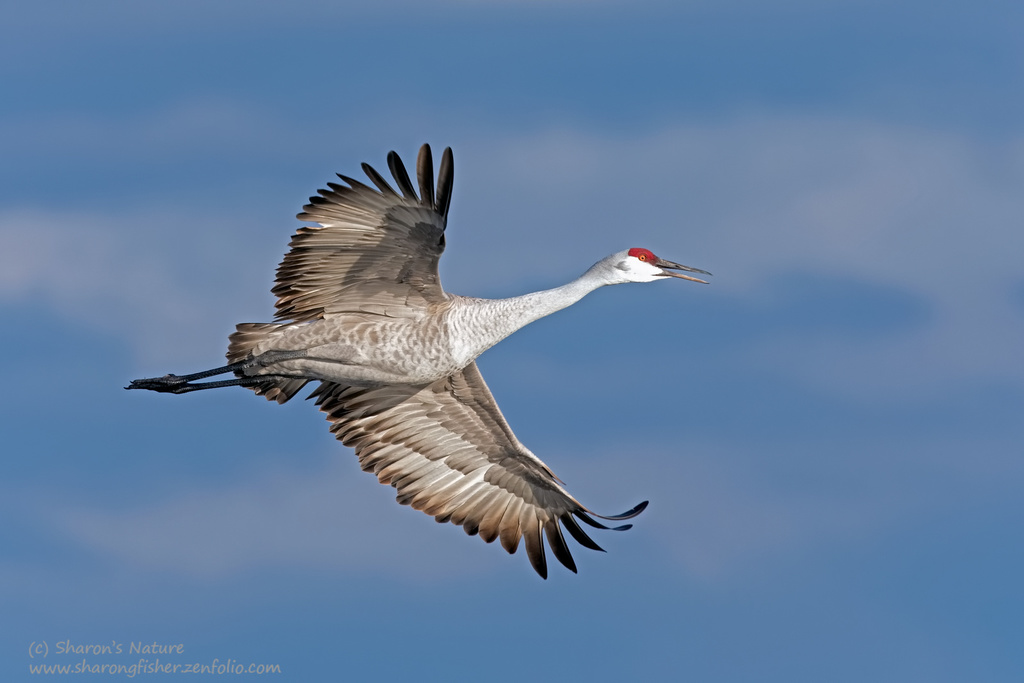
[166, 384]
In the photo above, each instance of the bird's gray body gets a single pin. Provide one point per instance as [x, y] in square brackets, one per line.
[361, 310]
[417, 348]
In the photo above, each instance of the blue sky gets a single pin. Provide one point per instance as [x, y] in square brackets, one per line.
[830, 434]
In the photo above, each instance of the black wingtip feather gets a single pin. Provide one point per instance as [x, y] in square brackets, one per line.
[401, 176]
[535, 549]
[587, 519]
[581, 536]
[378, 180]
[556, 541]
[425, 175]
[628, 514]
[445, 178]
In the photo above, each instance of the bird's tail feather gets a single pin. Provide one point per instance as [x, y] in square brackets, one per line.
[240, 345]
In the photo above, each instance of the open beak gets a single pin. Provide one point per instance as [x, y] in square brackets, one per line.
[664, 265]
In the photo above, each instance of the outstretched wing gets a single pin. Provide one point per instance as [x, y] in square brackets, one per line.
[376, 249]
[449, 452]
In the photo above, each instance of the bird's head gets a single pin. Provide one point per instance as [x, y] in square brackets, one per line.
[641, 265]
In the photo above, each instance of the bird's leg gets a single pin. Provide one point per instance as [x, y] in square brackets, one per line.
[172, 384]
[176, 384]
[181, 384]
[172, 380]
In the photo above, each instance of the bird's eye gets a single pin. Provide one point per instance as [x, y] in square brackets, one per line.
[642, 257]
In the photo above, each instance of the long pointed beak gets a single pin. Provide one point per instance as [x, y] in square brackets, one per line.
[662, 263]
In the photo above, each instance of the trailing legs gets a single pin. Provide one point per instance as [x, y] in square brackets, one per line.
[181, 384]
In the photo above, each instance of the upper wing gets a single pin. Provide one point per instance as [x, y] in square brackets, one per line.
[375, 251]
[449, 452]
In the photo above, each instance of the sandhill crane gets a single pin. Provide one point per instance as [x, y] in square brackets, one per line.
[360, 309]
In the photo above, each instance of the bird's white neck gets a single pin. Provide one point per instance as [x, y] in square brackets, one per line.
[476, 325]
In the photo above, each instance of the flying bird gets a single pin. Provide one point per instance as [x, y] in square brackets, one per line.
[361, 311]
